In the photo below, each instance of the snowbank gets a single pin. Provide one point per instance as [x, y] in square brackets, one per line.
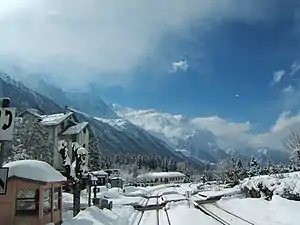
[110, 195]
[96, 216]
[68, 201]
[116, 195]
[34, 170]
[135, 191]
[224, 192]
[172, 197]
[286, 185]
[259, 211]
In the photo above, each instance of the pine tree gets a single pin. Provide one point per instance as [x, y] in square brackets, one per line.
[254, 167]
[30, 141]
[94, 154]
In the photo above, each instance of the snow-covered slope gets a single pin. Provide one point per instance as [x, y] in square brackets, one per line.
[23, 97]
[86, 101]
[121, 136]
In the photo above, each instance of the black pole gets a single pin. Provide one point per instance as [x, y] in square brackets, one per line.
[90, 190]
[95, 193]
[1, 153]
[5, 103]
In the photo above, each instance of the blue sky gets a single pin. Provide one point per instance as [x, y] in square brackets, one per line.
[190, 57]
[230, 58]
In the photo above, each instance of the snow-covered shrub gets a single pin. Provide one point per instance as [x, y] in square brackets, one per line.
[287, 186]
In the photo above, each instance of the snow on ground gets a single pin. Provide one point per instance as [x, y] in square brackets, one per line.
[135, 191]
[180, 214]
[96, 216]
[278, 211]
[67, 202]
[152, 201]
[115, 194]
[279, 184]
[173, 197]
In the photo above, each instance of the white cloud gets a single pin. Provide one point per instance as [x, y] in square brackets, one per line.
[279, 131]
[230, 134]
[105, 39]
[295, 67]
[277, 76]
[288, 89]
[238, 134]
[221, 127]
[179, 65]
[285, 120]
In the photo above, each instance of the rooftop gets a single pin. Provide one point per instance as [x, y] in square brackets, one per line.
[34, 170]
[161, 175]
[55, 119]
[76, 129]
[99, 173]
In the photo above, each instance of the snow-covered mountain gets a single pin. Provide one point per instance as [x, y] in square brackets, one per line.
[145, 131]
[86, 102]
[182, 134]
[24, 98]
[177, 131]
[119, 135]
[113, 139]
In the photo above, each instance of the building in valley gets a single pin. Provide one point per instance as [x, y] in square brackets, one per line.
[62, 127]
[154, 178]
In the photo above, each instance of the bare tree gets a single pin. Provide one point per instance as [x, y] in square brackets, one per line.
[292, 144]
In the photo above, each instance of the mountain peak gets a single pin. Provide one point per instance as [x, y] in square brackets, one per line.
[183, 135]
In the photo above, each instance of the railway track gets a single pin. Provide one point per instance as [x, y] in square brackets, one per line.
[146, 216]
[246, 221]
[142, 213]
[221, 215]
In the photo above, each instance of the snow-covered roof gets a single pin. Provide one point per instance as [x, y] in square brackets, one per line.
[161, 175]
[55, 119]
[76, 129]
[34, 170]
[99, 173]
[115, 178]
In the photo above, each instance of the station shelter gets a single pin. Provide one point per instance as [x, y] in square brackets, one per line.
[33, 195]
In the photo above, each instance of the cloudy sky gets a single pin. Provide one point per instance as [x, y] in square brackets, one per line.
[235, 60]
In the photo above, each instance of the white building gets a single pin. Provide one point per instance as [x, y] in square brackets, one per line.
[161, 177]
[62, 127]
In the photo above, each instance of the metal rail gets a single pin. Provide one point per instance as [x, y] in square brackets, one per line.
[212, 215]
[142, 213]
[157, 212]
[239, 217]
[168, 218]
[157, 208]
